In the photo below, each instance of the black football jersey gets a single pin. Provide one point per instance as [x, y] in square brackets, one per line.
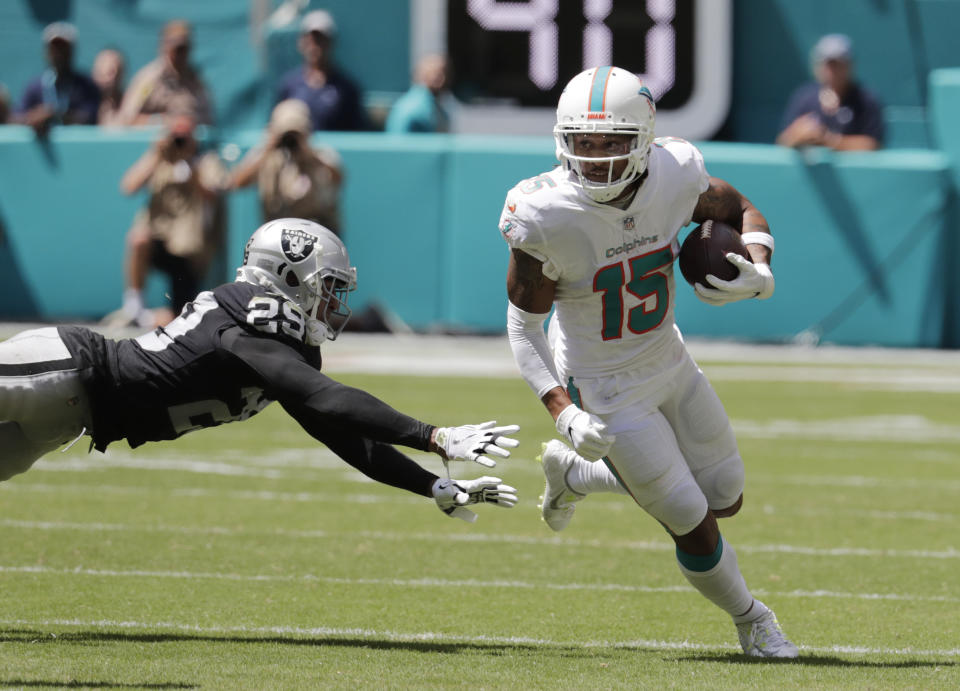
[227, 355]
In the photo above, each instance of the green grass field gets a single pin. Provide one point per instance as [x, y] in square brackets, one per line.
[247, 557]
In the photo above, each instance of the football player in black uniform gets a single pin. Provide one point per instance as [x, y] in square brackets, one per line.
[231, 352]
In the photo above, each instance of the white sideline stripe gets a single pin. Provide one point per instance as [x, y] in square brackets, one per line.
[866, 378]
[949, 553]
[431, 636]
[458, 583]
[913, 429]
[873, 515]
[862, 481]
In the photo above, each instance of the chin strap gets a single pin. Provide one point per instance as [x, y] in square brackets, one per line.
[316, 331]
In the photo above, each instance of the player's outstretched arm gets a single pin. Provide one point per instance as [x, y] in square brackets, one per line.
[384, 463]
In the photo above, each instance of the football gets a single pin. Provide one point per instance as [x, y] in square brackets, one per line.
[704, 252]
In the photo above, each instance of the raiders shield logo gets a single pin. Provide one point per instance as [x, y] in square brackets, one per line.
[296, 244]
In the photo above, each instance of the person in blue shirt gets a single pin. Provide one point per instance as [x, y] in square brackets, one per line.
[333, 99]
[60, 95]
[421, 108]
[835, 110]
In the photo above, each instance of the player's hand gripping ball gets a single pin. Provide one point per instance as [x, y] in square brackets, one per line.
[705, 252]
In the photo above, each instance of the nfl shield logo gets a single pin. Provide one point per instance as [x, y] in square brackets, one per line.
[296, 244]
[629, 223]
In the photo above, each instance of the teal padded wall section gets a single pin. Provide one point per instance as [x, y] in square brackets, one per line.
[944, 86]
[476, 254]
[856, 237]
[945, 113]
[64, 221]
[866, 243]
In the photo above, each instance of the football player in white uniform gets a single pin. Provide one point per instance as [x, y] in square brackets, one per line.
[596, 238]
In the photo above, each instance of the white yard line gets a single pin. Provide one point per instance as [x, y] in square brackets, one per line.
[454, 583]
[949, 553]
[434, 637]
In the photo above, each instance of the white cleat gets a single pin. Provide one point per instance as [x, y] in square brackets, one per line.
[763, 637]
[558, 500]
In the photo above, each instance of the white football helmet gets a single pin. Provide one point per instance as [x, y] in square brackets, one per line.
[308, 264]
[605, 100]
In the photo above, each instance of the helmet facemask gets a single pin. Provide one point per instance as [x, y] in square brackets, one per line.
[610, 189]
[328, 314]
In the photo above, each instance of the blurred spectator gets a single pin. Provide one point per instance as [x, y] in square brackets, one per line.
[108, 73]
[168, 84]
[835, 110]
[333, 99]
[60, 95]
[420, 109]
[175, 233]
[4, 104]
[294, 179]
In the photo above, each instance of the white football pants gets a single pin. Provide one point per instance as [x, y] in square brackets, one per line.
[675, 450]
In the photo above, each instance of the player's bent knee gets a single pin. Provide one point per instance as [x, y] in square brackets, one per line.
[722, 483]
[682, 509]
[732, 510]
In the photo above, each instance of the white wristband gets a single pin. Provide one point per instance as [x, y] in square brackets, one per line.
[756, 238]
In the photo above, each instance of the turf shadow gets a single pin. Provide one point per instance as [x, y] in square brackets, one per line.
[90, 684]
[84, 637]
[813, 661]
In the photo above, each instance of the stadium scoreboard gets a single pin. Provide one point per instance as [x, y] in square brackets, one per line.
[511, 60]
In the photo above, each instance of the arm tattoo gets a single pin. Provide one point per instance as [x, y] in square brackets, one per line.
[526, 284]
[721, 202]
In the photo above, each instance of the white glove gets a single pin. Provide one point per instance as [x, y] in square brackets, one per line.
[472, 442]
[453, 495]
[754, 281]
[586, 432]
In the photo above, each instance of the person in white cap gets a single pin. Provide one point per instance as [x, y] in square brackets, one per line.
[835, 110]
[331, 96]
[60, 95]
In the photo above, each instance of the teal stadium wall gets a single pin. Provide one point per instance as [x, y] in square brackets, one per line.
[867, 243]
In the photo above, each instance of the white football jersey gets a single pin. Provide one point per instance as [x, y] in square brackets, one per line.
[613, 267]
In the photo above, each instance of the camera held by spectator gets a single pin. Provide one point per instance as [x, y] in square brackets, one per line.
[294, 179]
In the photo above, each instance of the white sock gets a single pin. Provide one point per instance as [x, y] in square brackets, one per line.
[132, 302]
[724, 586]
[585, 477]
